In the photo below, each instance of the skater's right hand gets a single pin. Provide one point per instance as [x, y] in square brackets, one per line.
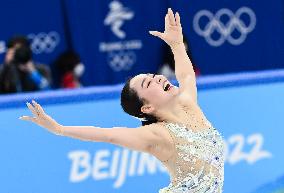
[42, 119]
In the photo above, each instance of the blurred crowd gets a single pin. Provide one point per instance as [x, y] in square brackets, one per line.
[19, 72]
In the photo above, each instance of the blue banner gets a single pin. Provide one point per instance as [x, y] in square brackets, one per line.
[40, 21]
[231, 36]
[112, 37]
[33, 160]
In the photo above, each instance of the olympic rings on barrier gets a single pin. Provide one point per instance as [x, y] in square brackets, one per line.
[225, 30]
[121, 60]
[44, 42]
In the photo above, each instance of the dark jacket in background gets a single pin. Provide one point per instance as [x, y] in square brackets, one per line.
[13, 80]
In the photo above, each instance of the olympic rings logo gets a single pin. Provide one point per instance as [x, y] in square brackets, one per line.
[122, 60]
[225, 30]
[44, 42]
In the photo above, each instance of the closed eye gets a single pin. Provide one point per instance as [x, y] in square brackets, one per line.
[148, 84]
[150, 81]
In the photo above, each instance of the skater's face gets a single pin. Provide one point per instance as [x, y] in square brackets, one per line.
[156, 90]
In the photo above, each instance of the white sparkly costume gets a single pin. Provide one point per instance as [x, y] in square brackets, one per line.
[197, 165]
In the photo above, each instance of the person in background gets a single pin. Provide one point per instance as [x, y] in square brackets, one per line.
[19, 73]
[12, 45]
[70, 69]
[168, 64]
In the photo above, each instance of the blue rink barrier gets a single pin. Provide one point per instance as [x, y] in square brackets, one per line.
[246, 108]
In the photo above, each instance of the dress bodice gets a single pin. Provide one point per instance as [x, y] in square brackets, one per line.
[197, 164]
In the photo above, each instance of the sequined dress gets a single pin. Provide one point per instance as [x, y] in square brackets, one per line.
[197, 165]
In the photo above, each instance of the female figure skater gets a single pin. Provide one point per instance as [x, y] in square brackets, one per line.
[174, 128]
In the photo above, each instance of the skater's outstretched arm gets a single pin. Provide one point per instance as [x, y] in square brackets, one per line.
[142, 138]
[183, 67]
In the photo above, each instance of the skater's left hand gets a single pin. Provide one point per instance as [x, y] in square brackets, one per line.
[173, 30]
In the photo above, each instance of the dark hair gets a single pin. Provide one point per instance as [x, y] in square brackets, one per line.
[67, 61]
[131, 103]
[18, 39]
[22, 55]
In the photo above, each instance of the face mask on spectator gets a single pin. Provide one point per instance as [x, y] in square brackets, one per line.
[79, 70]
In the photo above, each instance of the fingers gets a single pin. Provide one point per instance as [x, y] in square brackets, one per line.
[157, 34]
[167, 22]
[178, 19]
[171, 16]
[38, 107]
[27, 118]
[32, 109]
[36, 110]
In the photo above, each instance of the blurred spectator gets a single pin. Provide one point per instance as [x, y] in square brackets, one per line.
[168, 65]
[19, 72]
[70, 69]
